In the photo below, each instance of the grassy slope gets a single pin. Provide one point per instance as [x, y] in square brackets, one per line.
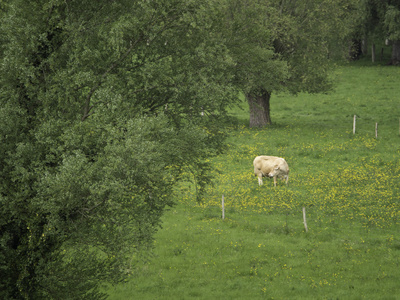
[348, 184]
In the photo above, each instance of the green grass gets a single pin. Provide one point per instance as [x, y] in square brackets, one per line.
[349, 184]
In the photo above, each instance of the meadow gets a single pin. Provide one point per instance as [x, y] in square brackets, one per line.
[348, 183]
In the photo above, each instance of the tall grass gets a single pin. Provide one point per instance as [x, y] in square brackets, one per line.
[349, 184]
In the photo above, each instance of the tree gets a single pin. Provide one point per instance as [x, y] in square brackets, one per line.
[99, 120]
[285, 48]
[258, 68]
[392, 25]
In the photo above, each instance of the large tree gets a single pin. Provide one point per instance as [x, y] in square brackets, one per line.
[100, 117]
[283, 46]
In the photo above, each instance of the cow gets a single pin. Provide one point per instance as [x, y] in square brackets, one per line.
[270, 166]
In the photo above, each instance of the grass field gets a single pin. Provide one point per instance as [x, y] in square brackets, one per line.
[349, 185]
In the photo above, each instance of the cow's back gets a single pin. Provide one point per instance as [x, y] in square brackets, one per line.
[264, 163]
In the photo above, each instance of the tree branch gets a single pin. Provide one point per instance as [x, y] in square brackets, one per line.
[87, 106]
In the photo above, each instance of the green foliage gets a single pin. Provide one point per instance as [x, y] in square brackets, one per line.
[306, 33]
[379, 20]
[392, 22]
[249, 37]
[284, 45]
[101, 116]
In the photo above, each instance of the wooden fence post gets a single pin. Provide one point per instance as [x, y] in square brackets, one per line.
[223, 207]
[304, 219]
[376, 130]
[354, 124]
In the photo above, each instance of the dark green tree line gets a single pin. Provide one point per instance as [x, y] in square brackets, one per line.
[379, 21]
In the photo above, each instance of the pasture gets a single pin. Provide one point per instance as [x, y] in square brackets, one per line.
[349, 185]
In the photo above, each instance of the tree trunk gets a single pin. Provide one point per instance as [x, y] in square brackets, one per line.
[395, 53]
[364, 46]
[373, 52]
[259, 108]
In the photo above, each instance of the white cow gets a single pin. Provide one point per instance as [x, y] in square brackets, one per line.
[270, 166]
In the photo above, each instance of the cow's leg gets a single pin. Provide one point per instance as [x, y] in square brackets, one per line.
[287, 179]
[260, 182]
[274, 180]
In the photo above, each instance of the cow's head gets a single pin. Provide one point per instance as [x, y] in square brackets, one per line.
[274, 172]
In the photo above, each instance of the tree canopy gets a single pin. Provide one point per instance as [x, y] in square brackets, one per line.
[101, 116]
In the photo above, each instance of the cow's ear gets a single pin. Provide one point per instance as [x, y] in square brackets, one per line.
[276, 167]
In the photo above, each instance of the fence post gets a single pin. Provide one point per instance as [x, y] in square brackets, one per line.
[223, 207]
[304, 219]
[376, 130]
[354, 124]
